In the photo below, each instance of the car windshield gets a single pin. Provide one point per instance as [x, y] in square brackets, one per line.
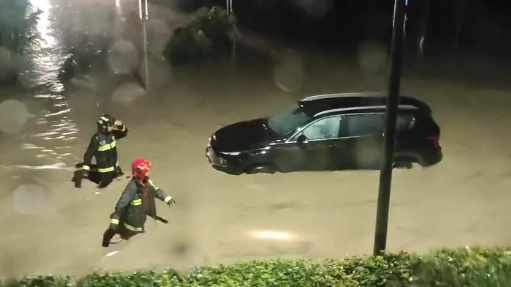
[287, 121]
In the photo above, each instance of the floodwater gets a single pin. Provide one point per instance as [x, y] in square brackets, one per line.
[49, 226]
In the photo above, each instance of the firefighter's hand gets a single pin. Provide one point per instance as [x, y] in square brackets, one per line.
[118, 123]
[170, 201]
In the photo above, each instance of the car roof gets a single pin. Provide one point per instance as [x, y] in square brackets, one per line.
[326, 103]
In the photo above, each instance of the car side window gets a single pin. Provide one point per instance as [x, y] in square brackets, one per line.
[326, 128]
[365, 124]
[404, 122]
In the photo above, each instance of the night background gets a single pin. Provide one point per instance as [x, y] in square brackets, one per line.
[446, 25]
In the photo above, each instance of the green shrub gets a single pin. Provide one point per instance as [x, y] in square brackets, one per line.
[479, 267]
[17, 29]
[38, 281]
[207, 34]
[476, 267]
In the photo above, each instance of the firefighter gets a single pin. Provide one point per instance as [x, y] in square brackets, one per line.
[135, 204]
[102, 146]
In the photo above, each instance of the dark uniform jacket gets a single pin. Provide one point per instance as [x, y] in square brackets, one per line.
[132, 209]
[104, 148]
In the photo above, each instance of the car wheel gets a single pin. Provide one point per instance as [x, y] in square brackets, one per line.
[261, 168]
[403, 163]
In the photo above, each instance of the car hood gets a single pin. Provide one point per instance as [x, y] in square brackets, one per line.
[242, 136]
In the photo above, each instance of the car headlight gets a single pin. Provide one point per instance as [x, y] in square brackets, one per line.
[234, 153]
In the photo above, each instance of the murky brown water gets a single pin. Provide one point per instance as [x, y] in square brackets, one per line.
[51, 135]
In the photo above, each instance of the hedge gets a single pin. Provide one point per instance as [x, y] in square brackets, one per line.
[467, 267]
[208, 34]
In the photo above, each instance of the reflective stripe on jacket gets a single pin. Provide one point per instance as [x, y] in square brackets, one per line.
[132, 209]
[103, 147]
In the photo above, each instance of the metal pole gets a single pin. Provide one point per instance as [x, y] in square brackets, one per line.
[424, 23]
[144, 16]
[230, 11]
[382, 213]
[140, 14]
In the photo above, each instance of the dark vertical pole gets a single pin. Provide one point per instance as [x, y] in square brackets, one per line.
[382, 213]
[424, 27]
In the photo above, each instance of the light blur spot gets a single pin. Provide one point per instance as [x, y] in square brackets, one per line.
[274, 235]
[13, 116]
[6, 65]
[111, 253]
[84, 82]
[127, 94]
[160, 73]
[30, 199]
[372, 56]
[123, 57]
[27, 78]
[288, 73]
[315, 8]
[367, 152]
[157, 36]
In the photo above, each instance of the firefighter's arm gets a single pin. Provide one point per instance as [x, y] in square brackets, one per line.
[120, 131]
[126, 198]
[161, 195]
[90, 152]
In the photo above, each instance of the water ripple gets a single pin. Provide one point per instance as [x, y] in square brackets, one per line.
[53, 129]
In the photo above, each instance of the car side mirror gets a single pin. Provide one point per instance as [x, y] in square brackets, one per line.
[302, 140]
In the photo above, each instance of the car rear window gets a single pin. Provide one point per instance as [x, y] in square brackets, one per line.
[404, 122]
[365, 124]
[373, 124]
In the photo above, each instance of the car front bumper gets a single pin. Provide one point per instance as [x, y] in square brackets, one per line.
[223, 164]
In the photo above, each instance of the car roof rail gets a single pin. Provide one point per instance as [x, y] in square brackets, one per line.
[342, 95]
[401, 107]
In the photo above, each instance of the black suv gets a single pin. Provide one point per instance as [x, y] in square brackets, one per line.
[327, 132]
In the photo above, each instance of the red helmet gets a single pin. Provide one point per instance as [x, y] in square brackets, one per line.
[140, 167]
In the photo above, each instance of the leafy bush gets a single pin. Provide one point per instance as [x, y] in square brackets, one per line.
[17, 29]
[477, 267]
[466, 267]
[207, 34]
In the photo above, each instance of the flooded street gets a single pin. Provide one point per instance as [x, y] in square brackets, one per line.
[51, 227]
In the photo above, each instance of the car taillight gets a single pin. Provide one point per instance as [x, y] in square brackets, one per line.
[435, 140]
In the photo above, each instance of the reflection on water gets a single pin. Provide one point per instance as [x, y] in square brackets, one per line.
[50, 132]
[88, 28]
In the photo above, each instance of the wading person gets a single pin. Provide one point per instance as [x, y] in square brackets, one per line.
[135, 204]
[102, 147]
